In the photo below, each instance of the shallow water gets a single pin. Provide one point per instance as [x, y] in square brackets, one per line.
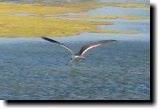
[142, 26]
[39, 70]
[120, 11]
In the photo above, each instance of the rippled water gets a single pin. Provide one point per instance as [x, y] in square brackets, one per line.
[39, 70]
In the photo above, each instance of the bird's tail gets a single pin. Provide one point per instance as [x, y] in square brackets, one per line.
[72, 58]
[82, 57]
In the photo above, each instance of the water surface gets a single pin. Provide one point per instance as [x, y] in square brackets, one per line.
[39, 70]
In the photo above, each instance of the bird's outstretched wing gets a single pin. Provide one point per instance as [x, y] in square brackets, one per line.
[53, 41]
[85, 48]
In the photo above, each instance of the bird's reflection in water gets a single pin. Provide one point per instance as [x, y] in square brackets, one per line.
[74, 70]
[74, 67]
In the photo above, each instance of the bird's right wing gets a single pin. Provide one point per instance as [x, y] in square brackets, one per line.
[87, 47]
[53, 41]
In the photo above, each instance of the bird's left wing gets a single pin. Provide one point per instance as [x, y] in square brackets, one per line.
[53, 41]
[85, 48]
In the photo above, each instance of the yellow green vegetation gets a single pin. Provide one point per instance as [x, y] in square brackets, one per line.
[37, 24]
[107, 17]
[134, 17]
[42, 9]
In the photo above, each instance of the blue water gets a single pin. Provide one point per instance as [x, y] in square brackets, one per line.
[121, 11]
[40, 70]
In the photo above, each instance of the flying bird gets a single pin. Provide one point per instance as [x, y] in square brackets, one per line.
[84, 48]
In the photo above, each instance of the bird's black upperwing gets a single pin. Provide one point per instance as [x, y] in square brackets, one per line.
[53, 41]
[85, 48]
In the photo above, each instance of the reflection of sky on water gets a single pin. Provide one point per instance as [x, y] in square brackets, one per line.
[142, 27]
[120, 11]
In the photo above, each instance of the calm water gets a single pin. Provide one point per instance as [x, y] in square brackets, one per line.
[120, 11]
[31, 68]
[39, 70]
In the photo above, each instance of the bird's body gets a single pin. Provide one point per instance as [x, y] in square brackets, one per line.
[77, 56]
[83, 50]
